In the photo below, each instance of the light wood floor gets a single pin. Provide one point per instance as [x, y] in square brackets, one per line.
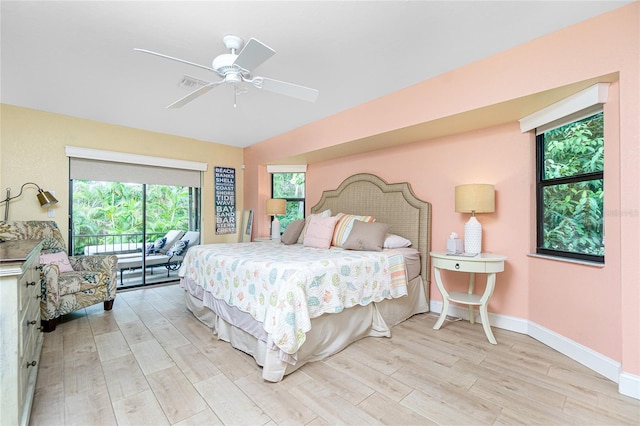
[150, 362]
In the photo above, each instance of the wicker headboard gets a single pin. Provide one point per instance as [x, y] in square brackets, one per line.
[394, 204]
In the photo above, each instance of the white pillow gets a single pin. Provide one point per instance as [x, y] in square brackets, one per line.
[392, 241]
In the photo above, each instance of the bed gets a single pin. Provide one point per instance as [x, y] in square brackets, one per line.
[286, 324]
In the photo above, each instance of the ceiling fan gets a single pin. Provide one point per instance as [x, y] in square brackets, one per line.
[235, 69]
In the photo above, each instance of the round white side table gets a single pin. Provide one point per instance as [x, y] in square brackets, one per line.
[487, 263]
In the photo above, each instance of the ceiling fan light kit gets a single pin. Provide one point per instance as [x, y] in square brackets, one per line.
[235, 69]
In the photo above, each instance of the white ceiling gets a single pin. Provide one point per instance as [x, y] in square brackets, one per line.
[77, 58]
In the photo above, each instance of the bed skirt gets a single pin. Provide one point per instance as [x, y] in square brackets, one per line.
[329, 334]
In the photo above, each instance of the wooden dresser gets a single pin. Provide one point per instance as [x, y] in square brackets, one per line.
[20, 333]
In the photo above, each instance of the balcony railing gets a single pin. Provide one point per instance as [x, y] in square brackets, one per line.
[86, 244]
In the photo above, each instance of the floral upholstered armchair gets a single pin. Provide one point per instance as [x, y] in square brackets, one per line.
[66, 285]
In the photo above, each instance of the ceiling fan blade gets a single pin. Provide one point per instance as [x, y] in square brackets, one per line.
[174, 59]
[193, 95]
[289, 89]
[253, 54]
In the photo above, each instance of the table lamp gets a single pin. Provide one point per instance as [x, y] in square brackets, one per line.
[474, 198]
[275, 207]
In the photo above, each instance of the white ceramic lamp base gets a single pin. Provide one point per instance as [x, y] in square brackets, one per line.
[473, 236]
[275, 229]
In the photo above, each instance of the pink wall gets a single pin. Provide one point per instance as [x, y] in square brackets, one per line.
[597, 320]
[499, 156]
[596, 307]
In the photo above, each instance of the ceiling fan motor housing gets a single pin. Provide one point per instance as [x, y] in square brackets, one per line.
[225, 65]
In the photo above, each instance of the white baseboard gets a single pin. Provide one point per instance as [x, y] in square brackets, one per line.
[574, 350]
[628, 384]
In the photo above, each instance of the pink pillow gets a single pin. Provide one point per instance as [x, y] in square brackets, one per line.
[59, 259]
[319, 232]
[325, 213]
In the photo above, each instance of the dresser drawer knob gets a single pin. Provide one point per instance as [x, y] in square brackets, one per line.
[31, 364]
[457, 266]
[33, 283]
[32, 322]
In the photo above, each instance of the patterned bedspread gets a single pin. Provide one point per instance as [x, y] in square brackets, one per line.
[284, 286]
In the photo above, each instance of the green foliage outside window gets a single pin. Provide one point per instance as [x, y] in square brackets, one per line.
[572, 188]
[114, 208]
[291, 187]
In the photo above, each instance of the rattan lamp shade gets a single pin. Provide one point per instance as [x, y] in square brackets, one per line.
[475, 197]
[276, 207]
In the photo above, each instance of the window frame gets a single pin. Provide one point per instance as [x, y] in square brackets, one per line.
[301, 200]
[542, 183]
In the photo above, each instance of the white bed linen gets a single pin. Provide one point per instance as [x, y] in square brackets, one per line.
[284, 287]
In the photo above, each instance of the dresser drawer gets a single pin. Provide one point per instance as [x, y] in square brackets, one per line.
[27, 371]
[28, 286]
[29, 324]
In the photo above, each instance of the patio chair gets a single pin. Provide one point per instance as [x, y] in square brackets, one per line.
[168, 258]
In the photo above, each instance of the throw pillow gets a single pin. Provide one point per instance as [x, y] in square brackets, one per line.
[59, 259]
[344, 225]
[149, 249]
[325, 213]
[368, 236]
[392, 241]
[178, 248]
[159, 243]
[292, 232]
[319, 232]
[172, 236]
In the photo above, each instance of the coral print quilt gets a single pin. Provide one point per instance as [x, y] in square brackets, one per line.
[284, 286]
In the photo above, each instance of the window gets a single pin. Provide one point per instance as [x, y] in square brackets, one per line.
[570, 189]
[291, 187]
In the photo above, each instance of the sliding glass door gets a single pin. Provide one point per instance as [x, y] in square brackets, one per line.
[137, 222]
[127, 209]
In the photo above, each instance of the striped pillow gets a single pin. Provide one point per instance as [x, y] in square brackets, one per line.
[344, 225]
